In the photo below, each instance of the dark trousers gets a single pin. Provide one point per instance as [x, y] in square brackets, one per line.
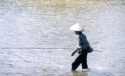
[81, 59]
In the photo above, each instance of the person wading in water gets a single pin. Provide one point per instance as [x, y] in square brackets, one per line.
[83, 48]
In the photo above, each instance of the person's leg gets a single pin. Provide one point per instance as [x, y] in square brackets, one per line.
[76, 63]
[84, 60]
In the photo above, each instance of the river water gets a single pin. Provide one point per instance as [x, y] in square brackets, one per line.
[36, 40]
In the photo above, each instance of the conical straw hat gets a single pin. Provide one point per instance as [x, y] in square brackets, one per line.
[76, 27]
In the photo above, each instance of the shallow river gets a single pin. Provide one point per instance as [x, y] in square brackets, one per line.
[36, 40]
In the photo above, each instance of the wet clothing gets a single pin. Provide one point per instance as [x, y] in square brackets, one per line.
[82, 58]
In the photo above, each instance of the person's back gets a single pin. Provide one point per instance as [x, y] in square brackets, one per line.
[83, 42]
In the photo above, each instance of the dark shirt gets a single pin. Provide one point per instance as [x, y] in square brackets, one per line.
[83, 42]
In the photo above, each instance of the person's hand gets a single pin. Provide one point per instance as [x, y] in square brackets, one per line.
[72, 54]
[75, 51]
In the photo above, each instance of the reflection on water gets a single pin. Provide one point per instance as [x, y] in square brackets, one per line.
[79, 73]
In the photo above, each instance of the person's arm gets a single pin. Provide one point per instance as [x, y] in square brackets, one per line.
[73, 53]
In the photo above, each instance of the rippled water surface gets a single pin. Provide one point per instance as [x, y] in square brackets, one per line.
[36, 40]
